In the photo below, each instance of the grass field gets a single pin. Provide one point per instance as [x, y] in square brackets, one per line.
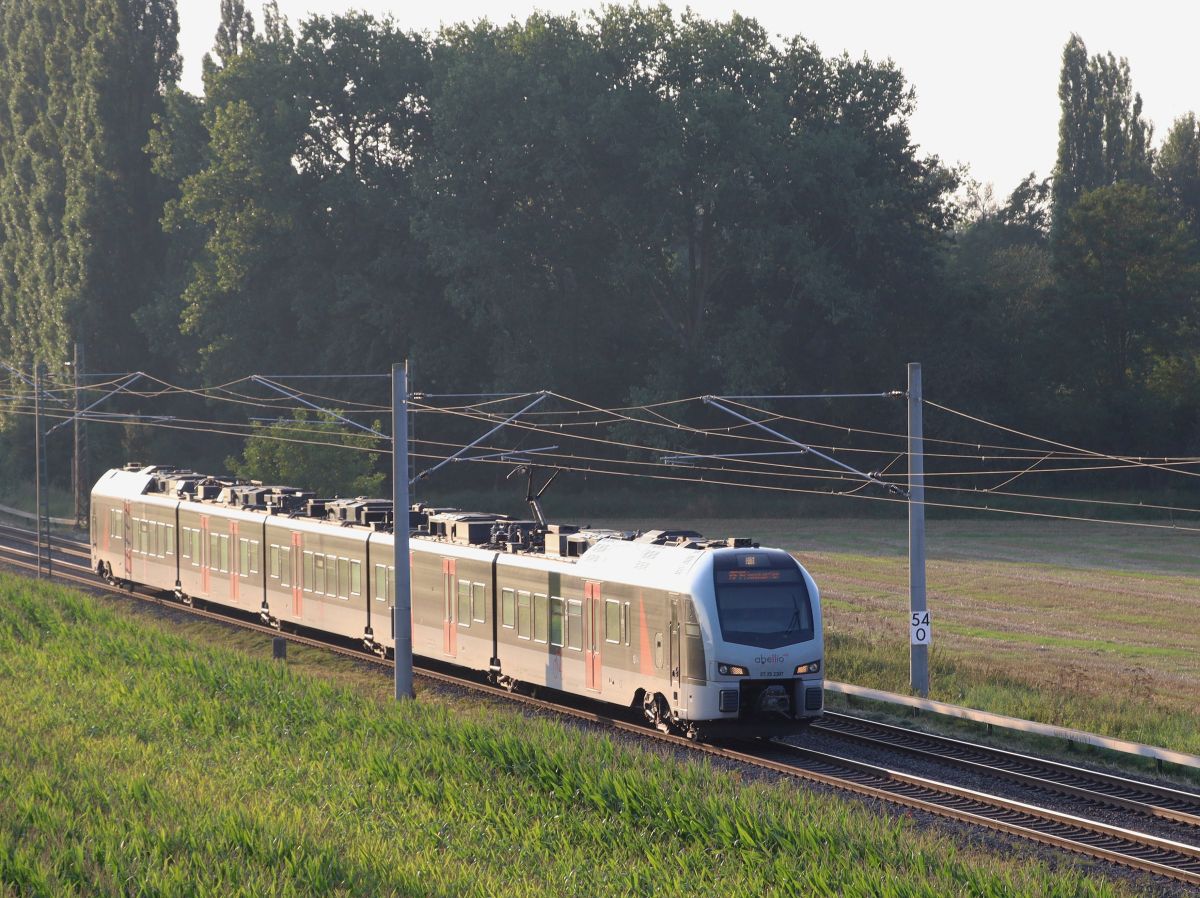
[1090, 626]
[141, 757]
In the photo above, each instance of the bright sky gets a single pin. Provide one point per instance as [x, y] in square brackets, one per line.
[986, 73]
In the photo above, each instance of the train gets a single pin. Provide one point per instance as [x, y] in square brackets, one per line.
[706, 638]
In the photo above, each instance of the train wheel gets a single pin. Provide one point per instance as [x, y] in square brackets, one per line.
[657, 713]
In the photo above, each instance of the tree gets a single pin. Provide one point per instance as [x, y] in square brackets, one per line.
[314, 452]
[1102, 137]
[1177, 168]
[1128, 290]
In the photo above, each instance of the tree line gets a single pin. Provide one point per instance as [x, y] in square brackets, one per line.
[623, 206]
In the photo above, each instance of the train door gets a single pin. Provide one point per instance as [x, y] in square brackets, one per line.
[674, 640]
[297, 565]
[593, 611]
[206, 559]
[234, 561]
[449, 630]
[127, 524]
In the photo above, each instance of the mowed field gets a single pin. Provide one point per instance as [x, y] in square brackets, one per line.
[1084, 625]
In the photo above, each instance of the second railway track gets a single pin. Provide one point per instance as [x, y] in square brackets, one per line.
[1177, 859]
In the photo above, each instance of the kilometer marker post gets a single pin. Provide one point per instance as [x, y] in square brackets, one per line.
[402, 609]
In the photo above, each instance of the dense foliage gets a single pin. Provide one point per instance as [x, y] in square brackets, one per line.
[628, 204]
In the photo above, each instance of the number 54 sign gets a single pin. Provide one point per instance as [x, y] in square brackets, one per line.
[919, 631]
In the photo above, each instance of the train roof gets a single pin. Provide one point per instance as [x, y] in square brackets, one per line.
[649, 556]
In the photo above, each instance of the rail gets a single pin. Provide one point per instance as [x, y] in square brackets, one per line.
[1015, 723]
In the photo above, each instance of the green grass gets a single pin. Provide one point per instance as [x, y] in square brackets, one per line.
[144, 758]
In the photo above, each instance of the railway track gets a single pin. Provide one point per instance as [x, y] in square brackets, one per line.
[1175, 856]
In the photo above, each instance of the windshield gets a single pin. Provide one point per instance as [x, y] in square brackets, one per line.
[766, 615]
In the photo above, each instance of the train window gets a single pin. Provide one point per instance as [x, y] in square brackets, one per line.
[197, 547]
[224, 553]
[524, 629]
[310, 577]
[170, 531]
[214, 551]
[574, 624]
[254, 556]
[343, 578]
[625, 623]
[392, 584]
[331, 572]
[116, 522]
[143, 531]
[285, 566]
[244, 557]
[541, 625]
[556, 621]
[612, 620]
[464, 603]
[319, 579]
[381, 583]
[274, 567]
[162, 540]
[478, 603]
[355, 577]
[185, 542]
[508, 608]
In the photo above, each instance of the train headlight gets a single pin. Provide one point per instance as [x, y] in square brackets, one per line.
[810, 667]
[732, 670]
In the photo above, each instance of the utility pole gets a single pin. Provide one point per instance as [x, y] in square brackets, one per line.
[79, 466]
[919, 630]
[402, 607]
[37, 459]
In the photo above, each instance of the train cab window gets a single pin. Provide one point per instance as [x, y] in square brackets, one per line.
[319, 580]
[524, 616]
[612, 621]
[464, 603]
[541, 618]
[243, 557]
[274, 566]
[170, 532]
[310, 578]
[478, 603]
[285, 566]
[355, 577]
[508, 608]
[556, 621]
[116, 523]
[574, 624]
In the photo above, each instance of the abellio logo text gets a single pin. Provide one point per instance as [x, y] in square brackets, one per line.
[770, 659]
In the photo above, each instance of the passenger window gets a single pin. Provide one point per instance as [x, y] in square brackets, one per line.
[355, 577]
[625, 623]
[524, 617]
[391, 584]
[285, 566]
[254, 556]
[224, 553]
[185, 542]
[117, 523]
[556, 621]
[162, 540]
[214, 551]
[319, 580]
[274, 567]
[464, 603]
[508, 608]
[381, 583]
[310, 577]
[541, 622]
[574, 624]
[612, 621]
[344, 578]
[478, 603]
[244, 557]
[170, 539]
[331, 584]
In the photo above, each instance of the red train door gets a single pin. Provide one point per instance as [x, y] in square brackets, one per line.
[593, 611]
[297, 567]
[205, 555]
[234, 562]
[449, 631]
[128, 534]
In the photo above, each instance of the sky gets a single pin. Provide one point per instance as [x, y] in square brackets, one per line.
[985, 73]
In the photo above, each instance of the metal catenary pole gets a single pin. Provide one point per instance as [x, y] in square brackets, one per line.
[79, 472]
[37, 459]
[402, 608]
[919, 625]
